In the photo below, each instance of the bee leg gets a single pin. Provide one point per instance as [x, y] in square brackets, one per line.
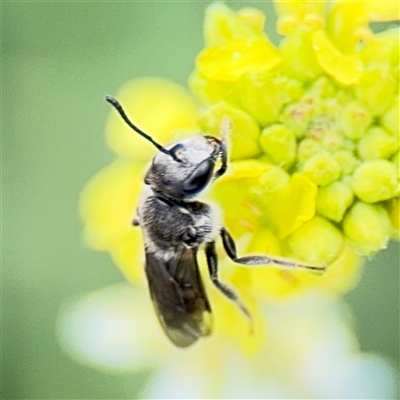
[212, 262]
[226, 128]
[189, 236]
[230, 248]
[224, 161]
[136, 221]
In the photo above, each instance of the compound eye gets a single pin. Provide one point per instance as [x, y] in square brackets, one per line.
[199, 178]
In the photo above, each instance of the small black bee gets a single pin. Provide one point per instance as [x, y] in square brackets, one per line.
[175, 225]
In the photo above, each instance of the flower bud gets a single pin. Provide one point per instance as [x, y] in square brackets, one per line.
[375, 180]
[322, 88]
[347, 161]
[333, 200]
[222, 25]
[252, 17]
[316, 241]
[396, 162]
[349, 144]
[332, 140]
[297, 117]
[301, 11]
[390, 120]
[307, 148]
[290, 89]
[245, 131]
[298, 56]
[376, 90]
[382, 48]
[322, 168]
[354, 120]
[261, 96]
[279, 143]
[286, 25]
[376, 144]
[368, 227]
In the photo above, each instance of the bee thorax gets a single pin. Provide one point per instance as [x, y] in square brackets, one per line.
[168, 225]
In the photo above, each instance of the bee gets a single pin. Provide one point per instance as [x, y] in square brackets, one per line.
[176, 226]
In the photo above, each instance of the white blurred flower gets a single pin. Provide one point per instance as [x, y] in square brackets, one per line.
[311, 351]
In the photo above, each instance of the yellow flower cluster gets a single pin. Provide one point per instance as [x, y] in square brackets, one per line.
[314, 148]
[315, 139]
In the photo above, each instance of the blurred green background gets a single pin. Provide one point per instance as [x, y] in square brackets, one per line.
[59, 59]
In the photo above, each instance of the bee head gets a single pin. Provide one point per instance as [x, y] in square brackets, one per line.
[190, 170]
[182, 170]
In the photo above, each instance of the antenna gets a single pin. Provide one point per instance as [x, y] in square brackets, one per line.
[116, 104]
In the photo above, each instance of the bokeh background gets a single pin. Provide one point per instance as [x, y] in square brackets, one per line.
[59, 59]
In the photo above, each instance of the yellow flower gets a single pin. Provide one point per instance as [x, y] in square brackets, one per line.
[326, 107]
[313, 171]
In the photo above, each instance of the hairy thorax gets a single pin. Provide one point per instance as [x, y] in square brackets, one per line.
[168, 225]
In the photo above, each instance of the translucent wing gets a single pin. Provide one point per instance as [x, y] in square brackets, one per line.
[179, 297]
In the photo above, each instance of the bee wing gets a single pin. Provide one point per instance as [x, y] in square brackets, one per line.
[179, 297]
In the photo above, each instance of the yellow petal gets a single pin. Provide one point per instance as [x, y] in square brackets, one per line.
[107, 208]
[348, 20]
[288, 208]
[129, 255]
[230, 322]
[233, 192]
[245, 169]
[345, 69]
[209, 92]
[271, 281]
[108, 203]
[158, 106]
[230, 61]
